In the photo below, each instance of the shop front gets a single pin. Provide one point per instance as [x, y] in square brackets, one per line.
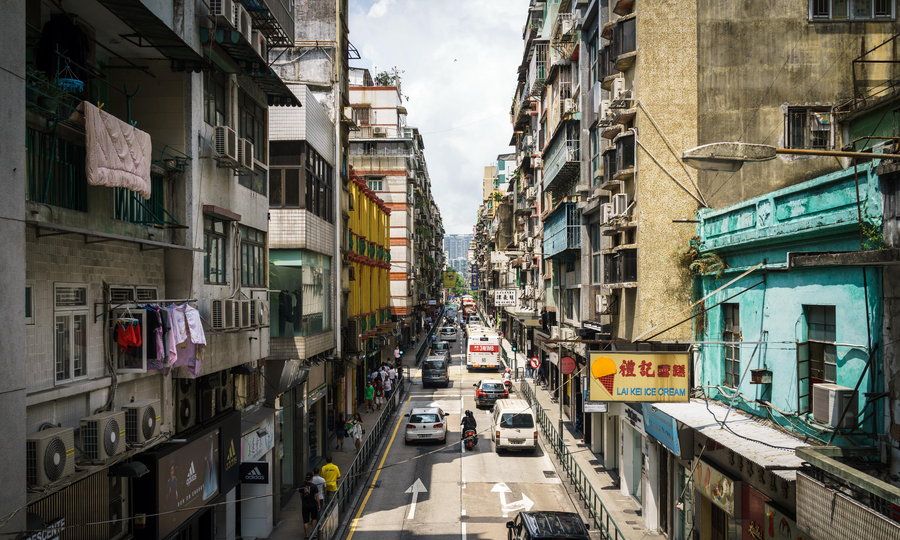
[669, 464]
[718, 500]
[316, 425]
[285, 394]
[633, 453]
[186, 492]
[256, 513]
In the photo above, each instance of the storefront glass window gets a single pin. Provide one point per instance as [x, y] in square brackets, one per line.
[300, 286]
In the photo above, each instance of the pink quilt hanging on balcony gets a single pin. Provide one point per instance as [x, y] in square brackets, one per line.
[118, 154]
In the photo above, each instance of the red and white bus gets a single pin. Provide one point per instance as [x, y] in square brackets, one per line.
[483, 350]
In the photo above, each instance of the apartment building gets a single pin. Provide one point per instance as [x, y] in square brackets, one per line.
[608, 249]
[144, 203]
[389, 155]
[309, 212]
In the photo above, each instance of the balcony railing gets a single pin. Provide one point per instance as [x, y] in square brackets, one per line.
[562, 230]
[274, 19]
[537, 68]
[625, 37]
[620, 267]
[625, 152]
[54, 169]
[562, 161]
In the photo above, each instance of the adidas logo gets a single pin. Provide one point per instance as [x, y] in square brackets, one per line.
[255, 474]
[191, 475]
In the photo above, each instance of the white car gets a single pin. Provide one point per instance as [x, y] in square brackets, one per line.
[448, 333]
[426, 424]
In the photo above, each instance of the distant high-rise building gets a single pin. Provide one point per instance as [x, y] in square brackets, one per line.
[456, 246]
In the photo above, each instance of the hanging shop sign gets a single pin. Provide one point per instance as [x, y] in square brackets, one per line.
[47, 530]
[662, 427]
[639, 376]
[255, 472]
[506, 297]
[567, 365]
[230, 448]
[715, 486]
[256, 443]
[317, 394]
[186, 480]
[596, 407]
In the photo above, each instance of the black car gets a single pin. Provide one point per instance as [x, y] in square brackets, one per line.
[555, 525]
[488, 391]
[441, 347]
[435, 371]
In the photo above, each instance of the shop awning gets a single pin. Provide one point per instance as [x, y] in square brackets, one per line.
[740, 435]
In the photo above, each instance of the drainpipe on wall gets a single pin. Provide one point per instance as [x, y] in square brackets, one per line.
[338, 186]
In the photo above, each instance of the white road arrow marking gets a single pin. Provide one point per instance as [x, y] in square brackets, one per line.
[416, 488]
[522, 504]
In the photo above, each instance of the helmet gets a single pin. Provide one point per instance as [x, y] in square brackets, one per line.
[507, 370]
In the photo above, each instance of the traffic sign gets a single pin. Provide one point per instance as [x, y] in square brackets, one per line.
[567, 365]
[535, 362]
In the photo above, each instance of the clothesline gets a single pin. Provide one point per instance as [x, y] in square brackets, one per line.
[138, 305]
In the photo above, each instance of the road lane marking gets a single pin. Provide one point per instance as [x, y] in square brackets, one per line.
[416, 488]
[463, 525]
[387, 451]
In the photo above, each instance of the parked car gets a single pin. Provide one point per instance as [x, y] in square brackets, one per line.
[556, 525]
[488, 391]
[513, 426]
[435, 371]
[448, 333]
[426, 424]
[441, 347]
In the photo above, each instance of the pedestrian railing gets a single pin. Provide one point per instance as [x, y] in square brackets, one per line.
[600, 517]
[342, 504]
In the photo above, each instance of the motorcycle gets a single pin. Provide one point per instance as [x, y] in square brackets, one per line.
[471, 438]
[509, 386]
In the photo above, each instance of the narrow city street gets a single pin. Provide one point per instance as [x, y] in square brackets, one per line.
[429, 490]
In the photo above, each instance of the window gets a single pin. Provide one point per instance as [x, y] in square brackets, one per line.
[593, 57]
[284, 187]
[595, 155]
[29, 305]
[516, 421]
[319, 186]
[361, 116]
[70, 331]
[856, 10]
[816, 357]
[573, 303]
[300, 302]
[214, 259]
[596, 256]
[731, 335]
[215, 98]
[253, 257]
[252, 125]
[375, 183]
[808, 127]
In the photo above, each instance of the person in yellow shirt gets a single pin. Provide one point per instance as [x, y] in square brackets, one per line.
[331, 473]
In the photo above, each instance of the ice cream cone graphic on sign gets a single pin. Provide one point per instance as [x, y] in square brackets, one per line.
[604, 370]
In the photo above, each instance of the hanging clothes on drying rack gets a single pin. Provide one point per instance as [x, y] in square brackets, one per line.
[189, 338]
[127, 333]
[161, 348]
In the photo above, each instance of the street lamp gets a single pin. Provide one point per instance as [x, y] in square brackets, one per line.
[730, 156]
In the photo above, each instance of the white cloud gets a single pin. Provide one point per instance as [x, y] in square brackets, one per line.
[460, 59]
[380, 8]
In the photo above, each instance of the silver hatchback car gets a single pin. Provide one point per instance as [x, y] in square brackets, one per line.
[426, 424]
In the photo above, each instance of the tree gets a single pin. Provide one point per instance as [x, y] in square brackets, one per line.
[390, 77]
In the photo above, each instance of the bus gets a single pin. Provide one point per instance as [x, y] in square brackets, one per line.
[483, 350]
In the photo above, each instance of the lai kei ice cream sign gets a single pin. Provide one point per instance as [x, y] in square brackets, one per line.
[639, 376]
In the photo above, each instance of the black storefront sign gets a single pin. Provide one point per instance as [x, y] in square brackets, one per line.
[230, 450]
[47, 531]
[255, 472]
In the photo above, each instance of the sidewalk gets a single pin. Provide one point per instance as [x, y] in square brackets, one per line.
[618, 509]
[290, 527]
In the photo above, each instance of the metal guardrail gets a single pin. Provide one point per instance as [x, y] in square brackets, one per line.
[600, 517]
[358, 473]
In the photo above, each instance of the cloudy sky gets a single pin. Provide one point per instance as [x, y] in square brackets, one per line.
[460, 59]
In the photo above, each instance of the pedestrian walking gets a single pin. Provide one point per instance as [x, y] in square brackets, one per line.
[331, 473]
[319, 482]
[357, 431]
[396, 353]
[309, 505]
[370, 396]
[379, 393]
[388, 387]
[339, 432]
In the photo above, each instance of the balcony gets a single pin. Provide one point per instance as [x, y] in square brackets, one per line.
[620, 268]
[537, 68]
[562, 231]
[623, 7]
[274, 19]
[625, 43]
[562, 159]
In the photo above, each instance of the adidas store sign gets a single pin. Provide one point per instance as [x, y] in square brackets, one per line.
[255, 472]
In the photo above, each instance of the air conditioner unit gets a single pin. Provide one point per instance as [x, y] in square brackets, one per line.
[245, 310]
[224, 391]
[103, 435]
[607, 212]
[226, 146]
[230, 313]
[254, 312]
[554, 332]
[620, 204]
[829, 401]
[49, 456]
[618, 88]
[243, 19]
[568, 106]
[223, 12]
[185, 404]
[537, 162]
[142, 420]
[259, 44]
[379, 132]
[597, 92]
[215, 314]
[603, 117]
[207, 396]
[245, 155]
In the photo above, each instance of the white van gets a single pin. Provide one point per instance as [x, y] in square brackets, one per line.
[514, 426]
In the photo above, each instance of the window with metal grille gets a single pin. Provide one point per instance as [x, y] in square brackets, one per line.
[852, 10]
[29, 304]
[817, 356]
[361, 116]
[596, 256]
[808, 127]
[70, 331]
[731, 336]
[215, 250]
[375, 183]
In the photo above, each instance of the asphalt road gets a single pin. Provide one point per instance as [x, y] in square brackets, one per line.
[461, 494]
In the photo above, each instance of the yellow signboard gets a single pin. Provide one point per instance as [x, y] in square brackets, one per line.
[449, 280]
[639, 376]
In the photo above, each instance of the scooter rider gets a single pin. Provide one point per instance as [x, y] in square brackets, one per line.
[469, 424]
